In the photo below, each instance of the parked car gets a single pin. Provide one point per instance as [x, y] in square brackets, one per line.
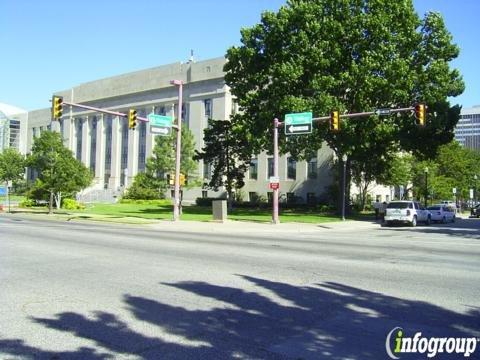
[475, 211]
[450, 204]
[410, 212]
[442, 213]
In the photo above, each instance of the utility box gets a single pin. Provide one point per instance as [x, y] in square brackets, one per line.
[219, 210]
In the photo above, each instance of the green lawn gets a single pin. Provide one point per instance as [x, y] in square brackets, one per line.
[201, 213]
[16, 198]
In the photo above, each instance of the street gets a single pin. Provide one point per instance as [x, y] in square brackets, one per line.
[74, 290]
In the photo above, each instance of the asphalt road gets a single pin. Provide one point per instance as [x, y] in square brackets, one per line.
[96, 291]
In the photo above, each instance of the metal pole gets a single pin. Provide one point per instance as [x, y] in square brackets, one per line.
[426, 187]
[344, 159]
[176, 204]
[275, 219]
[8, 197]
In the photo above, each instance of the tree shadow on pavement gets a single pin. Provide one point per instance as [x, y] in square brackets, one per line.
[463, 228]
[275, 321]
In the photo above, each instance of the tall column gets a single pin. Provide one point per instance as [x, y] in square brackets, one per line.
[114, 182]
[69, 134]
[100, 151]
[86, 141]
[132, 167]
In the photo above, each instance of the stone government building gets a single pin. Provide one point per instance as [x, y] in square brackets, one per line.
[115, 154]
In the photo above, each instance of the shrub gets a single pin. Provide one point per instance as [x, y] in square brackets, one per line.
[27, 203]
[70, 204]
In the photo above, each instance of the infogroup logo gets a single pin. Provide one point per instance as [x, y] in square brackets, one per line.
[400, 344]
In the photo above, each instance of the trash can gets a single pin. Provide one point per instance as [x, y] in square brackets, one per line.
[219, 210]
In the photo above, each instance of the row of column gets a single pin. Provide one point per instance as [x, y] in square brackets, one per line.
[113, 181]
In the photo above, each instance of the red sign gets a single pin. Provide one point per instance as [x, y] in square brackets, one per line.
[274, 186]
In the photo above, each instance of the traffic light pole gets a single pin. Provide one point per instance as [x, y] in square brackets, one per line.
[276, 124]
[176, 203]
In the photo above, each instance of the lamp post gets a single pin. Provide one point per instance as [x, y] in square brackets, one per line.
[176, 204]
[344, 159]
[426, 184]
[475, 189]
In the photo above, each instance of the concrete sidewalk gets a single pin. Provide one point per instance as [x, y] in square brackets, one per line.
[244, 227]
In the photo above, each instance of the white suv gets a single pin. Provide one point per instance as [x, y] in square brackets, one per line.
[410, 212]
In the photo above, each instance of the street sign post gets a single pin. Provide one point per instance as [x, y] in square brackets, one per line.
[160, 124]
[298, 123]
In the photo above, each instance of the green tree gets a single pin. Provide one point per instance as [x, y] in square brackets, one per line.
[59, 172]
[350, 55]
[226, 150]
[12, 168]
[154, 182]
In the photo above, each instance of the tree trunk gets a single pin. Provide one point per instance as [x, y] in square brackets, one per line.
[58, 200]
[50, 204]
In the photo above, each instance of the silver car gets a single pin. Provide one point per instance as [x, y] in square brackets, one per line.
[442, 213]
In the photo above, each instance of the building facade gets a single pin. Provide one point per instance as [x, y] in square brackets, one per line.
[115, 154]
[11, 129]
[467, 131]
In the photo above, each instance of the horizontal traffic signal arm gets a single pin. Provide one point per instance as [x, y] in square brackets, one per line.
[104, 111]
[361, 114]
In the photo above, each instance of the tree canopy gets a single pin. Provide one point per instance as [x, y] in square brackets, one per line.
[154, 182]
[351, 56]
[12, 165]
[226, 150]
[59, 172]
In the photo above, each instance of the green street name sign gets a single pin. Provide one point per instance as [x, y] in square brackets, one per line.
[160, 120]
[160, 124]
[298, 123]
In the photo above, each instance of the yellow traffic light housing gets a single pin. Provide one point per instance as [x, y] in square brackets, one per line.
[335, 121]
[57, 107]
[420, 114]
[182, 179]
[132, 119]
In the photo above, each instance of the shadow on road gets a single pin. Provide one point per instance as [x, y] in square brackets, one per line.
[324, 321]
[464, 228]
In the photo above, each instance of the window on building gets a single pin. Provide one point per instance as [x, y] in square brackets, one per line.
[124, 152]
[160, 110]
[108, 144]
[269, 167]
[252, 197]
[253, 169]
[270, 197]
[234, 107]
[79, 133]
[207, 171]
[312, 168]
[291, 168]
[142, 146]
[204, 194]
[207, 104]
[93, 145]
[311, 198]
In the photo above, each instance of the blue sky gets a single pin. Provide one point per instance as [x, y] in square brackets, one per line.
[52, 45]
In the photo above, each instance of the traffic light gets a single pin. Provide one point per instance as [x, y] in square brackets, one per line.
[420, 114]
[182, 179]
[334, 121]
[57, 107]
[132, 119]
